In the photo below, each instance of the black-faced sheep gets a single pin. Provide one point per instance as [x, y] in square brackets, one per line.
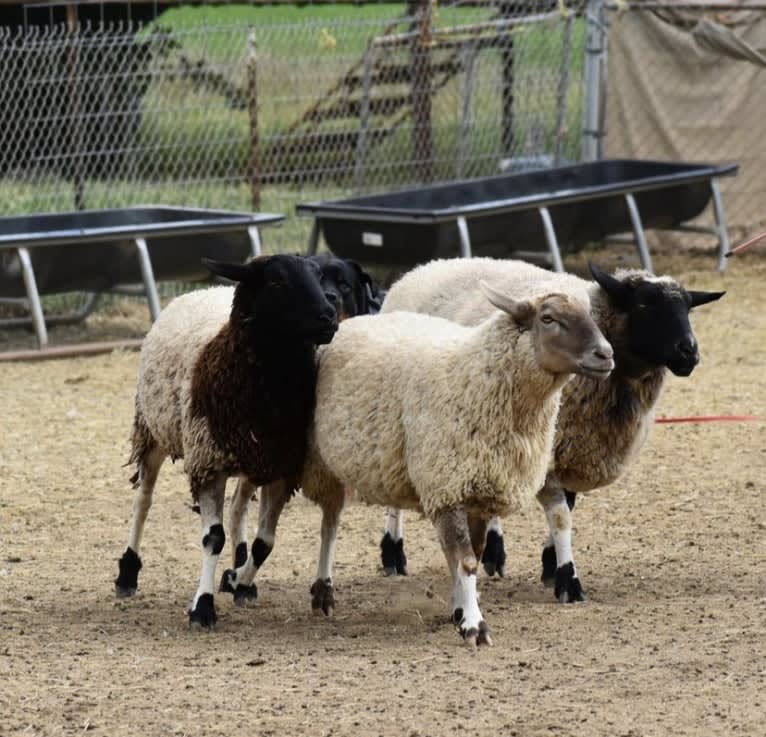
[602, 425]
[351, 291]
[227, 382]
[455, 421]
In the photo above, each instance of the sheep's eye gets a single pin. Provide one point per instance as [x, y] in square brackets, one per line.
[344, 287]
[277, 285]
[547, 319]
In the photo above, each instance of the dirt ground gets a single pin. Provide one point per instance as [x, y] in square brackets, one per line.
[673, 557]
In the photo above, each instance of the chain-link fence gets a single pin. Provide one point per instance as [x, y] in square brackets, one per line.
[264, 107]
[261, 108]
[263, 115]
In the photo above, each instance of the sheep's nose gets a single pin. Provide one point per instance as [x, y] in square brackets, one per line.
[687, 346]
[328, 316]
[604, 352]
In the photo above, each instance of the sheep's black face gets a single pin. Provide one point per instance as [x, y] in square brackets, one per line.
[281, 296]
[348, 288]
[658, 329]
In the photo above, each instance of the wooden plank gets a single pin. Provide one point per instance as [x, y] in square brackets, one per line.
[74, 350]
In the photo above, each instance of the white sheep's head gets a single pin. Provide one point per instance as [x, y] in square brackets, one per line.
[564, 335]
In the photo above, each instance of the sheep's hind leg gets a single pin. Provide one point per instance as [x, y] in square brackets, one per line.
[392, 545]
[202, 610]
[558, 562]
[455, 538]
[130, 563]
[239, 581]
[322, 590]
[493, 557]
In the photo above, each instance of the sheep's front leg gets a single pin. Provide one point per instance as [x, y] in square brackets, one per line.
[392, 545]
[240, 502]
[272, 501]
[322, 590]
[558, 561]
[455, 538]
[202, 611]
[130, 563]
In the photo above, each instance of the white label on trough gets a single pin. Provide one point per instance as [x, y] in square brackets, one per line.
[372, 239]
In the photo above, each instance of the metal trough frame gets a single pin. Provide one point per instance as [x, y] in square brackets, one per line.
[198, 222]
[461, 215]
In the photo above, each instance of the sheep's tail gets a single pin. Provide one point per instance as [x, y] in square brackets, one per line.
[141, 444]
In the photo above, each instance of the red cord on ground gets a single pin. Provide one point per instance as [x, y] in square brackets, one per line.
[711, 418]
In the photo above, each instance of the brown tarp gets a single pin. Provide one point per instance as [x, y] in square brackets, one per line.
[687, 87]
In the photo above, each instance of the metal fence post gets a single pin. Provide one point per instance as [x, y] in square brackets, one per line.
[595, 78]
[422, 83]
[254, 159]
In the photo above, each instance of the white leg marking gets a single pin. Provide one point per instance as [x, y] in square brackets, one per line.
[327, 546]
[495, 526]
[560, 530]
[142, 501]
[466, 597]
[394, 523]
[272, 501]
[238, 513]
[211, 512]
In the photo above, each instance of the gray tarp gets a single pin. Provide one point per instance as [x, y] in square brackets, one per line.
[694, 90]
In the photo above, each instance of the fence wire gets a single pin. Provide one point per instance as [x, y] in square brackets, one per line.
[263, 114]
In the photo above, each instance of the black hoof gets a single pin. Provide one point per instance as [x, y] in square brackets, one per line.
[246, 595]
[568, 588]
[392, 556]
[476, 637]
[203, 616]
[126, 582]
[227, 582]
[493, 557]
[323, 596]
[549, 567]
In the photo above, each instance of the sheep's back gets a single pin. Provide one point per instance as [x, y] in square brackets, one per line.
[449, 288]
[168, 356]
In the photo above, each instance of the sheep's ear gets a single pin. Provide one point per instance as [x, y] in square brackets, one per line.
[618, 291]
[234, 271]
[522, 311]
[702, 298]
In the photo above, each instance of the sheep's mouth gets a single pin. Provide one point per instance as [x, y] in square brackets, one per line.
[323, 337]
[596, 370]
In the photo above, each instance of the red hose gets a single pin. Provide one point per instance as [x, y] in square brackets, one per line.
[744, 246]
[711, 418]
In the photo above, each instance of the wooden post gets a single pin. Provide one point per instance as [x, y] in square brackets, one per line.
[422, 78]
[254, 158]
[75, 90]
[506, 91]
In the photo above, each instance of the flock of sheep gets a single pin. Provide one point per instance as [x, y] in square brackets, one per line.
[479, 385]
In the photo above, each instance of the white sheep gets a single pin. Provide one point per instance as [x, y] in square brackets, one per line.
[227, 382]
[455, 421]
[602, 425]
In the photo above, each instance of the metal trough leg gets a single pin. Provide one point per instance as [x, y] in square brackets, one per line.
[255, 241]
[638, 231]
[148, 274]
[721, 226]
[465, 241]
[30, 283]
[313, 238]
[550, 236]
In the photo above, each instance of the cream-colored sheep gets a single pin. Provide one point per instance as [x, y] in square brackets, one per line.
[455, 421]
[601, 425]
